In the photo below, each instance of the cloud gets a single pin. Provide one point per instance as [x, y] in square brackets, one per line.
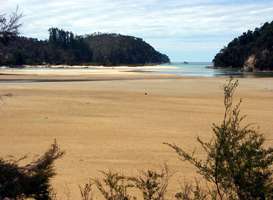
[170, 25]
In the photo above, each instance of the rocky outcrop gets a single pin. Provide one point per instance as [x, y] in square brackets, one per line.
[249, 65]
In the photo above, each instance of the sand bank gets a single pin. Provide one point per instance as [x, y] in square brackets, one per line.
[114, 125]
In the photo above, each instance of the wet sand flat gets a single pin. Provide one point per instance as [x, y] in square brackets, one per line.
[120, 124]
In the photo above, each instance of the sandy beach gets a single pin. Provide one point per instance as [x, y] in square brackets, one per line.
[118, 119]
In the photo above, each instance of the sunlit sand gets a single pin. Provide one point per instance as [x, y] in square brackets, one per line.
[119, 124]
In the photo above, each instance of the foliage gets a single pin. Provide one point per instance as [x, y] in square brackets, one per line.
[9, 26]
[153, 184]
[87, 191]
[116, 49]
[114, 186]
[190, 192]
[64, 47]
[30, 181]
[74, 46]
[257, 43]
[237, 163]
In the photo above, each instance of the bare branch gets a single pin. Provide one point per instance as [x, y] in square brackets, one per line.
[9, 26]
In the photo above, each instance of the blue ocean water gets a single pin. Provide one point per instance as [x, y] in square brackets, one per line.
[201, 69]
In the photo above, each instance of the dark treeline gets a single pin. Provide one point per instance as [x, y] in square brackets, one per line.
[252, 50]
[116, 49]
[63, 47]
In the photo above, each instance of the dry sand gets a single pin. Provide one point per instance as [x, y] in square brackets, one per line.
[112, 124]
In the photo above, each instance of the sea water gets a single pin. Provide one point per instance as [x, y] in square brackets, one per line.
[204, 69]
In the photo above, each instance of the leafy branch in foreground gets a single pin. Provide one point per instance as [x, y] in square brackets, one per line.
[114, 186]
[32, 180]
[190, 192]
[87, 191]
[153, 184]
[237, 163]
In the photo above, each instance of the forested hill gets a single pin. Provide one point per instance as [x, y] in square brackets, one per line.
[116, 49]
[63, 47]
[252, 50]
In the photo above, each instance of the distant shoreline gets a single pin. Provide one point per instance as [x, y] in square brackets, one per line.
[84, 66]
[49, 73]
[32, 74]
[240, 69]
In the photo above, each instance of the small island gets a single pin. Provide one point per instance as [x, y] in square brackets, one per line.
[252, 51]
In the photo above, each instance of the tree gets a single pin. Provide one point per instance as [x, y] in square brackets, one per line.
[30, 181]
[237, 163]
[9, 26]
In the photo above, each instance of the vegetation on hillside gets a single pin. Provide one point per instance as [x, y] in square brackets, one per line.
[64, 47]
[252, 50]
[116, 49]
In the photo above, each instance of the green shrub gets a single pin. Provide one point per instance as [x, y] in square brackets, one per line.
[114, 186]
[153, 184]
[193, 192]
[30, 181]
[87, 191]
[237, 163]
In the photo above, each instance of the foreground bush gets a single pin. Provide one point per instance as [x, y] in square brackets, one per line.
[152, 184]
[30, 181]
[237, 164]
[115, 186]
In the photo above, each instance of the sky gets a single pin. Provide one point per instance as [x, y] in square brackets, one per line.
[185, 30]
